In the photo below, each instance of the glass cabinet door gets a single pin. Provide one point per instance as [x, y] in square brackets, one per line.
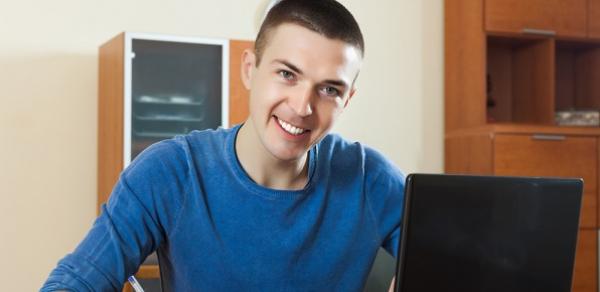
[176, 87]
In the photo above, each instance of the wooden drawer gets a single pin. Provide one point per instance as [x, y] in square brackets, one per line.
[586, 266]
[566, 18]
[554, 156]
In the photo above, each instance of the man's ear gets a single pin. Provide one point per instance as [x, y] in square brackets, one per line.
[352, 92]
[248, 64]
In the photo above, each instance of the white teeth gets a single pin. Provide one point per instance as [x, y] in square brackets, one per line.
[289, 128]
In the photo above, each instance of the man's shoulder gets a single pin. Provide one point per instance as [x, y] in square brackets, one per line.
[335, 144]
[219, 133]
[337, 147]
[193, 138]
[345, 158]
[343, 147]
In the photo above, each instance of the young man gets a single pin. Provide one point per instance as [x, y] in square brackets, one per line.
[276, 204]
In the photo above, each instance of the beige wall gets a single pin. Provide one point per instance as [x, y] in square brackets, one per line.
[48, 104]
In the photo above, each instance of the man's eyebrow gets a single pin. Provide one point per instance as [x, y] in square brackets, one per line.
[299, 72]
[289, 65]
[336, 83]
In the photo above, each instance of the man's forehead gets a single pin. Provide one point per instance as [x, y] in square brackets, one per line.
[309, 50]
[293, 34]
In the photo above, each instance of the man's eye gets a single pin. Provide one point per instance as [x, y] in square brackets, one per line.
[287, 75]
[330, 91]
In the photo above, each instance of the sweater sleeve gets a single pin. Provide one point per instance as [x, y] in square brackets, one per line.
[385, 192]
[134, 222]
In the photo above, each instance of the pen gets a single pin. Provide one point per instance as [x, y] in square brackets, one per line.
[135, 284]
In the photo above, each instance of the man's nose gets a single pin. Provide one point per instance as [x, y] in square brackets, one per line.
[301, 101]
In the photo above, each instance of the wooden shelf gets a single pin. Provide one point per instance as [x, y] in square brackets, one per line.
[520, 78]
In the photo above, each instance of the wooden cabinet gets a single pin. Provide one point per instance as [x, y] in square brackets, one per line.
[510, 66]
[152, 87]
[563, 18]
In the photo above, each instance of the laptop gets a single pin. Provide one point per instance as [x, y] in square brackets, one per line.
[486, 233]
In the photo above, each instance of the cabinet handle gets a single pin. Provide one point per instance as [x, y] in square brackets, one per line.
[536, 31]
[548, 137]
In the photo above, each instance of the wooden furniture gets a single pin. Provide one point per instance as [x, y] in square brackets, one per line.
[145, 94]
[509, 66]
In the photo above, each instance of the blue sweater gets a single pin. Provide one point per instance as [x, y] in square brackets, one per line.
[214, 229]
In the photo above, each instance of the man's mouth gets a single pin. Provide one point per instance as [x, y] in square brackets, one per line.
[292, 130]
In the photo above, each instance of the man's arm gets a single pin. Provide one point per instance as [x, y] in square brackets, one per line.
[138, 216]
[120, 239]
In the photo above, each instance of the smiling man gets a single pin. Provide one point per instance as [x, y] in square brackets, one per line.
[299, 85]
[274, 204]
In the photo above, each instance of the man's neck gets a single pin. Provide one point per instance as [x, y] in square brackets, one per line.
[266, 169]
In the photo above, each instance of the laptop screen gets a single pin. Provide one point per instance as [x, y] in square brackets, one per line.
[478, 233]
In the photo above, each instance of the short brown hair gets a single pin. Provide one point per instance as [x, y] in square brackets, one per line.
[326, 17]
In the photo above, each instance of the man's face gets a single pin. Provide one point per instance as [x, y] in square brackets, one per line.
[302, 84]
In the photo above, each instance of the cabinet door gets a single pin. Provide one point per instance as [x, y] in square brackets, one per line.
[565, 18]
[586, 268]
[553, 156]
[176, 87]
[594, 19]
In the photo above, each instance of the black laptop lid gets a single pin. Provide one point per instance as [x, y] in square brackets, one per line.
[483, 233]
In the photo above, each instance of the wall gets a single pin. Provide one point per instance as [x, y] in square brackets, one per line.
[48, 82]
